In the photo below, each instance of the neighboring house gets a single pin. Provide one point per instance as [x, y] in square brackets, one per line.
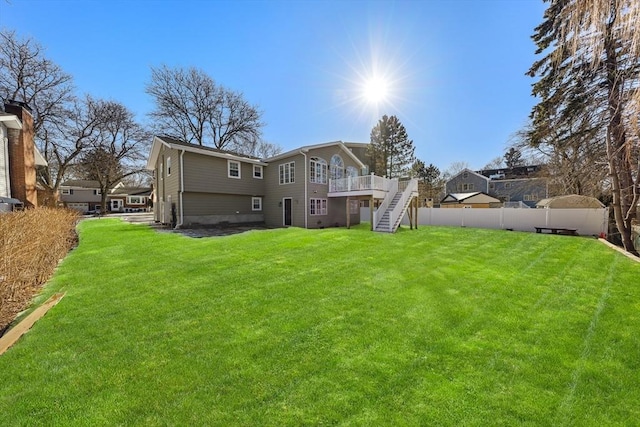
[520, 184]
[475, 199]
[129, 199]
[314, 186]
[81, 195]
[19, 156]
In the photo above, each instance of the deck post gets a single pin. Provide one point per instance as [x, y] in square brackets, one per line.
[371, 211]
[348, 214]
[416, 204]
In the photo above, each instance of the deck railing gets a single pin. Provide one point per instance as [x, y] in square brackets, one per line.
[359, 183]
[407, 188]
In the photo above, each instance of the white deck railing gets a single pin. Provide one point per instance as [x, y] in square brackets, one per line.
[379, 213]
[407, 188]
[359, 183]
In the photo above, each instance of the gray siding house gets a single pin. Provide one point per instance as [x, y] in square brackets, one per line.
[520, 185]
[314, 186]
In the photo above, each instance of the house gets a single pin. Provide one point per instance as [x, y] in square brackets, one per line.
[85, 196]
[19, 157]
[81, 195]
[521, 186]
[129, 199]
[314, 186]
[475, 199]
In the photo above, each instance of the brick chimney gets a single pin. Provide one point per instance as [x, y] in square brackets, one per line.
[22, 165]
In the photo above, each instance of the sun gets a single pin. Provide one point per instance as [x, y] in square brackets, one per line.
[375, 90]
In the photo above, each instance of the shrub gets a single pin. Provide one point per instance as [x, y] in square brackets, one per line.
[32, 243]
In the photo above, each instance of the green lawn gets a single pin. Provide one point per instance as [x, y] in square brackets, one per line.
[439, 326]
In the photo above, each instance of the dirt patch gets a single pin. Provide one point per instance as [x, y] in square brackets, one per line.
[213, 231]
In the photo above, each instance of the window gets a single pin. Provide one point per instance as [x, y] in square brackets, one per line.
[257, 171]
[352, 171]
[168, 166]
[465, 187]
[256, 203]
[507, 185]
[317, 206]
[67, 191]
[135, 200]
[492, 186]
[318, 170]
[465, 175]
[287, 173]
[233, 169]
[97, 192]
[337, 167]
[530, 197]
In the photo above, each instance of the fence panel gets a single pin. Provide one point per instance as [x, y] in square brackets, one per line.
[587, 222]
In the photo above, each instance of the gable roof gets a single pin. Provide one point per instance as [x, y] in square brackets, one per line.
[466, 170]
[81, 183]
[305, 148]
[475, 197]
[176, 144]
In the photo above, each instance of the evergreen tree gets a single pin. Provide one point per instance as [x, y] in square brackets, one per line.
[588, 91]
[512, 158]
[391, 152]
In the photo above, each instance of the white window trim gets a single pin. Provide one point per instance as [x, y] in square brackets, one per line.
[141, 202]
[253, 204]
[169, 166]
[261, 169]
[229, 163]
[318, 170]
[66, 191]
[291, 166]
[319, 206]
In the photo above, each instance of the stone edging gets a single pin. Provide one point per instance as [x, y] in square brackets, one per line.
[621, 250]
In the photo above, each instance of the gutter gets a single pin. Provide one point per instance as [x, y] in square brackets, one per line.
[181, 220]
[306, 183]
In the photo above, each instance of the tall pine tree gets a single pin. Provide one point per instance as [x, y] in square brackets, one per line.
[588, 89]
[391, 152]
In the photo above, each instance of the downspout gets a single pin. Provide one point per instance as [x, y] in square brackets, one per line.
[306, 183]
[181, 220]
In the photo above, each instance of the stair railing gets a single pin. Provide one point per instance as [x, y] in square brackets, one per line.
[401, 207]
[392, 189]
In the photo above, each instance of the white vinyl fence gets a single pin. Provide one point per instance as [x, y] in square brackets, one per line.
[587, 222]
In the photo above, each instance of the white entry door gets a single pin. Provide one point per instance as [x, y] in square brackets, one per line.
[116, 205]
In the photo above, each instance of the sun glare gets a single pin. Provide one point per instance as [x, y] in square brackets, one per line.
[375, 90]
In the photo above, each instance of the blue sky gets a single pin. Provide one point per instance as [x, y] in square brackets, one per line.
[454, 68]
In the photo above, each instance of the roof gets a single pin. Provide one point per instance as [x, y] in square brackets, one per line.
[10, 120]
[176, 144]
[305, 148]
[571, 201]
[475, 197]
[131, 191]
[466, 170]
[510, 173]
[80, 183]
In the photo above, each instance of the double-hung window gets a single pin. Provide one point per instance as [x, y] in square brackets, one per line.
[257, 171]
[287, 173]
[233, 169]
[318, 170]
[317, 206]
[256, 203]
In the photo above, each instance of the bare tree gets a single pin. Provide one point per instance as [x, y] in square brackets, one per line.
[495, 163]
[27, 75]
[191, 106]
[118, 152]
[264, 150]
[454, 169]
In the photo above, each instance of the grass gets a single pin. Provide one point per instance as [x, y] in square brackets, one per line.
[439, 326]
